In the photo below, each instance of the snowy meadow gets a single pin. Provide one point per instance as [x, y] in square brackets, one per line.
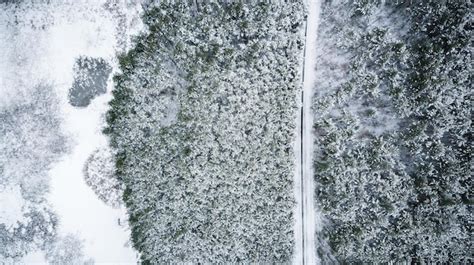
[47, 211]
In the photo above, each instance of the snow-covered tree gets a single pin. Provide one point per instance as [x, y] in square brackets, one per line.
[67, 250]
[30, 141]
[99, 174]
[90, 80]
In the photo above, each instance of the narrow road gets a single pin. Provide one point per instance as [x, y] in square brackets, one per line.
[304, 185]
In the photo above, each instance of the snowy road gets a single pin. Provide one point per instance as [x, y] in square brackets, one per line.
[307, 219]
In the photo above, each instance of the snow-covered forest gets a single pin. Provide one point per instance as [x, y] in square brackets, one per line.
[209, 132]
[392, 122]
[202, 122]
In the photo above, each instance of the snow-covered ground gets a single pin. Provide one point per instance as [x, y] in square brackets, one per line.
[10, 216]
[307, 220]
[81, 211]
[43, 42]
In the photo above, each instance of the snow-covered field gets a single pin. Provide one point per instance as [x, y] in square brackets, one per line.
[39, 43]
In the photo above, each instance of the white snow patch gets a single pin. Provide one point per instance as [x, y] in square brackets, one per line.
[11, 207]
[34, 257]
